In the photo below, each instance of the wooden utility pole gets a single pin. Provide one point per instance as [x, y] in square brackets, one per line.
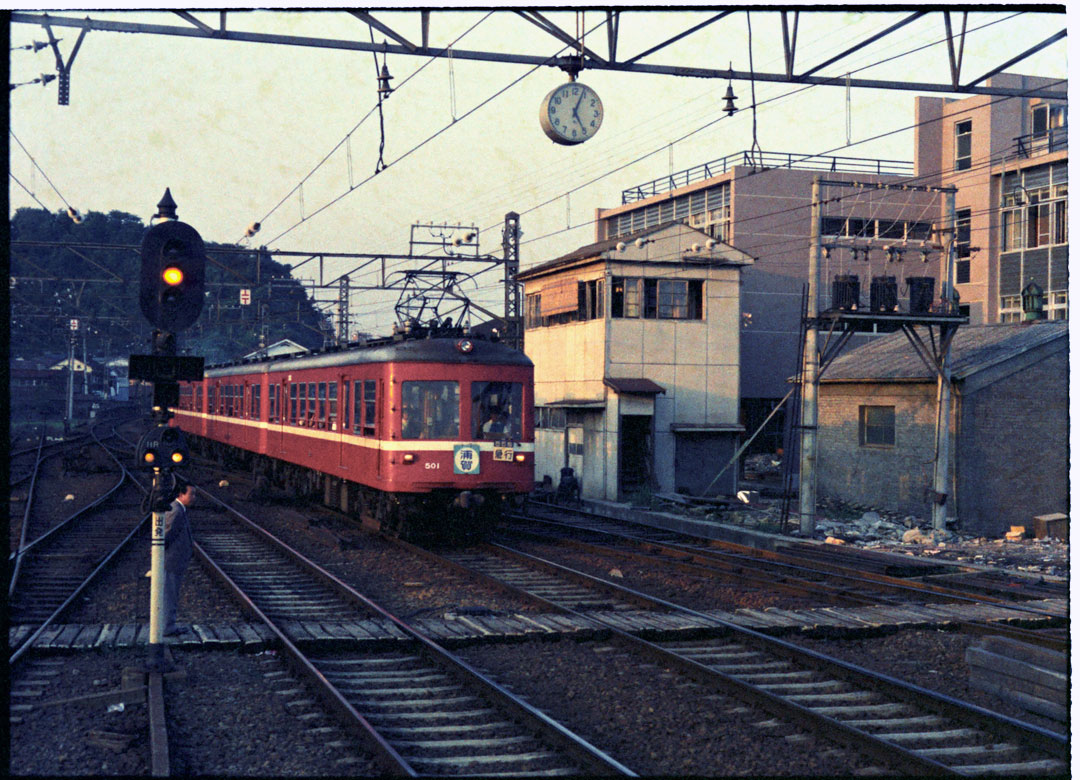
[944, 387]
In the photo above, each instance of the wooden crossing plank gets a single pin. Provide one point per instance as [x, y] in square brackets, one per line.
[18, 634]
[531, 625]
[227, 634]
[108, 635]
[247, 634]
[127, 634]
[87, 637]
[315, 630]
[753, 617]
[336, 630]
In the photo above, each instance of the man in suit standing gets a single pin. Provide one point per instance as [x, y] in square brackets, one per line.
[178, 548]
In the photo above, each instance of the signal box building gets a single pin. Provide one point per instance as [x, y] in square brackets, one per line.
[635, 341]
[759, 203]
[1009, 160]
[1009, 433]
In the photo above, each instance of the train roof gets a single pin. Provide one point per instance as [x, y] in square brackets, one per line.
[429, 350]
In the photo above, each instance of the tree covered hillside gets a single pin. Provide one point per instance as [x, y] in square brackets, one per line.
[50, 285]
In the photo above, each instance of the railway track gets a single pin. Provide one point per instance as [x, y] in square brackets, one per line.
[52, 569]
[825, 578]
[416, 706]
[901, 725]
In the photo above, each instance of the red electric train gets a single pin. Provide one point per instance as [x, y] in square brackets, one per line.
[421, 436]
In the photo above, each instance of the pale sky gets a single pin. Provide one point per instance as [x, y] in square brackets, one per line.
[232, 128]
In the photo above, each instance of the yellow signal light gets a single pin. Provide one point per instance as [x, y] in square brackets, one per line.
[177, 457]
[172, 275]
[149, 457]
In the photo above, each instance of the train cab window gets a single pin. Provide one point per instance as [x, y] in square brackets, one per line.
[293, 392]
[331, 405]
[256, 402]
[322, 404]
[429, 410]
[496, 410]
[271, 402]
[369, 407]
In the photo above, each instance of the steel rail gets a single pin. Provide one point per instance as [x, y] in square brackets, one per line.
[785, 583]
[594, 760]
[18, 556]
[26, 513]
[893, 753]
[710, 558]
[780, 559]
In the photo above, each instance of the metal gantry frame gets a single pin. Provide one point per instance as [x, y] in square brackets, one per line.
[585, 57]
[843, 324]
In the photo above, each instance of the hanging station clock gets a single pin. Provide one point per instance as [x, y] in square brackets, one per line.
[571, 113]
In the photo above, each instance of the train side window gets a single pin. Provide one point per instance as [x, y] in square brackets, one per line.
[331, 404]
[497, 410]
[358, 405]
[209, 400]
[198, 398]
[430, 410]
[271, 402]
[369, 407]
[293, 391]
[256, 402]
[322, 404]
[302, 419]
[312, 389]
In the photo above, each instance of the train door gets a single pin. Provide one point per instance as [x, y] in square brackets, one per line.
[339, 411]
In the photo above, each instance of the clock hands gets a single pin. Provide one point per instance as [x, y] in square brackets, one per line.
[575, 111]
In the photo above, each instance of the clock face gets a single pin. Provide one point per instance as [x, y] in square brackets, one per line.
[571, 113]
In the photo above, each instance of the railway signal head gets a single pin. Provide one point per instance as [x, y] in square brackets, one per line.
[173, 276]
[162, 447]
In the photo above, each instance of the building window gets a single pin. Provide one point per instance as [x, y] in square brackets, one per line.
[553, 417]
[963, 145]
[1035, 209]
[625, 297]
[877, 426]
[1045, 118]
[1058, 306]
[963, 246]
[1010, 310]
[532, 311]
[591, 299]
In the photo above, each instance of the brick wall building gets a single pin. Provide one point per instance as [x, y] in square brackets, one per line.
[1009, 429]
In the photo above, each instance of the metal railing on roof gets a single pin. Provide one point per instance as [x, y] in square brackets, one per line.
[763, 161]
[1034, 144]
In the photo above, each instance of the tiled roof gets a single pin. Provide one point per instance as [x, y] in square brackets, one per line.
[974, 348]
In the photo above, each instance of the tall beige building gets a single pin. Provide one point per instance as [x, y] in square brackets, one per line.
[1009, 160]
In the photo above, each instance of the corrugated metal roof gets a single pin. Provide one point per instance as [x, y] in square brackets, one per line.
[974, 348]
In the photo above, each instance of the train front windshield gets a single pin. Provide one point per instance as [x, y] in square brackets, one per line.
[497, 411]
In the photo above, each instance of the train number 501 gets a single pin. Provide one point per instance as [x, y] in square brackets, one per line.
[431, 465]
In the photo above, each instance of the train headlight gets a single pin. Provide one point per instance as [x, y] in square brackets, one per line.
[465, 346]
[408, 457]
[520, 457]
